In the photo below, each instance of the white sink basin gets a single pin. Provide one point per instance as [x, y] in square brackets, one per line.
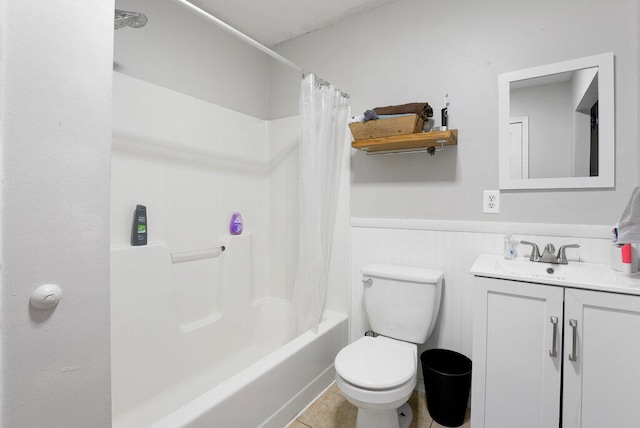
[575, 274]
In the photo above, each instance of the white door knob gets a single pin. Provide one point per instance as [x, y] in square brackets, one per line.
[46, 296]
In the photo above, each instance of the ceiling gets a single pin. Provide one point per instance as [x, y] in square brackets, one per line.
[274, 21]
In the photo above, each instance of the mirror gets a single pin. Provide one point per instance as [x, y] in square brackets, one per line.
[556, 125]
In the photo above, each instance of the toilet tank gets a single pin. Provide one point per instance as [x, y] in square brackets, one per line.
[402, 302]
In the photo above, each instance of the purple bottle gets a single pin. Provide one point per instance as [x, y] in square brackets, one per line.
[235, 227]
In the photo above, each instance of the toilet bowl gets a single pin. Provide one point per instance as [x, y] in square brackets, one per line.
[378, 374]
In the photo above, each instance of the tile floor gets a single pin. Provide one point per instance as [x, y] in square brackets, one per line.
[332, 410]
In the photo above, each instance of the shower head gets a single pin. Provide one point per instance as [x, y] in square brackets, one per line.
[129, 19]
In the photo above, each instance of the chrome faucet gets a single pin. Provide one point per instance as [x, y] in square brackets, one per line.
[548, 253]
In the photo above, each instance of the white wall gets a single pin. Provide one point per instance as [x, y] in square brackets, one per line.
[414, 50]
[55, 119]
[182, 51]
[284, 90]
[550, 113]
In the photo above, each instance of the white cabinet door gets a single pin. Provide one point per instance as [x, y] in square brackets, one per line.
[602, 382]
[516, 382]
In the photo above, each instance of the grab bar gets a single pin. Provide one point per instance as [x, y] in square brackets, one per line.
[189, 256]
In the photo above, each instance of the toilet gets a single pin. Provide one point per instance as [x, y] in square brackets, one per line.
[378, 374]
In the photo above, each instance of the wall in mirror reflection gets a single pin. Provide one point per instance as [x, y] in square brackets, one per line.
[554, 125]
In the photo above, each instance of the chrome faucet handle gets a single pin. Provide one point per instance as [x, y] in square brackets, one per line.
[562, 255]
[535, 251]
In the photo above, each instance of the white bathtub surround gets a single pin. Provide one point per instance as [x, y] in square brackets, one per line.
[151, 336]
[272, 391]
[324, 111]
[193, 163]
[162, 362]
[453, 246]
[205, 290]
[183, 326]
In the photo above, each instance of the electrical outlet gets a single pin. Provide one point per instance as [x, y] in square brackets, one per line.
[491, 202]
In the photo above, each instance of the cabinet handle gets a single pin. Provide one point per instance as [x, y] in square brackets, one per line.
[554, 348]
[573, 356]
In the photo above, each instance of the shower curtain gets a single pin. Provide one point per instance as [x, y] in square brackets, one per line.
[324, 111]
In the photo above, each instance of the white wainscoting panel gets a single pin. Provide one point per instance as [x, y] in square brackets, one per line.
[406, 242]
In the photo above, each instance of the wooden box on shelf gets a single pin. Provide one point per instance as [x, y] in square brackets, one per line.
[405, 124]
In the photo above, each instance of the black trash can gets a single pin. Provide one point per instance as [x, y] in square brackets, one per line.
[447, 381]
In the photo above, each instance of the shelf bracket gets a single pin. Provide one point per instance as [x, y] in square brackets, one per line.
[431, 150]
[441, 145]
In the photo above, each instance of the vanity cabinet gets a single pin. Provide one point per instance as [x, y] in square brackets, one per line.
[550, 356]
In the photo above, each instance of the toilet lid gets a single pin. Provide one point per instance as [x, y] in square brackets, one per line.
[377, 363]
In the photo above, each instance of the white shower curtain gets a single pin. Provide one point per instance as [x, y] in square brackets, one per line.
[324, 112]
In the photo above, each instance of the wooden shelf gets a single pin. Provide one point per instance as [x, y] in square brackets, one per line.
[408, 142]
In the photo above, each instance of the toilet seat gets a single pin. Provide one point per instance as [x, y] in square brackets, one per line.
[378, 363]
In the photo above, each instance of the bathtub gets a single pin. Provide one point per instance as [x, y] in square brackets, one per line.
[225, 367]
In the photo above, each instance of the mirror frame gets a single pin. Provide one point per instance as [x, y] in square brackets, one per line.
[606, 125]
